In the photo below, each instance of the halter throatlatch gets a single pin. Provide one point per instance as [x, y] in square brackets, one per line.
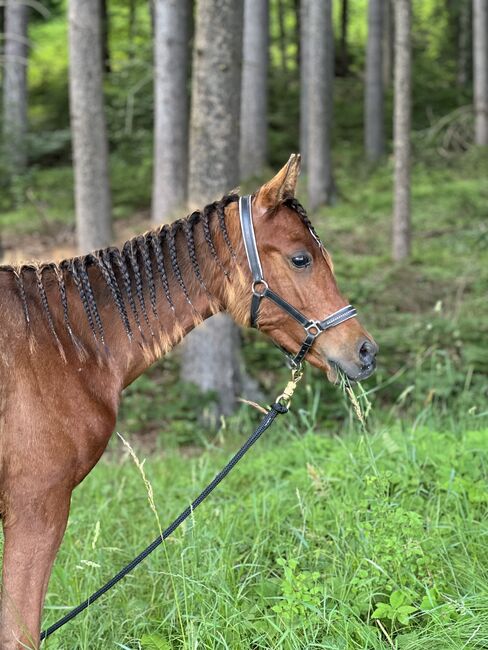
[260, 290]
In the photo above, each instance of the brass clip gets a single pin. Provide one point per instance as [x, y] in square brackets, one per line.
[285, 398]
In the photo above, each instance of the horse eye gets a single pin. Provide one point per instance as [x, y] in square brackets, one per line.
[301, 260]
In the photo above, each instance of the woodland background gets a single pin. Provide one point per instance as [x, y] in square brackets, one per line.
[336, 532]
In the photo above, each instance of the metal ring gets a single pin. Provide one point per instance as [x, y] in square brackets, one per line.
[314, 328]
[257, 293]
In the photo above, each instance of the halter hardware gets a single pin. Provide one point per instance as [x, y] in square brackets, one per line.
[260, 289]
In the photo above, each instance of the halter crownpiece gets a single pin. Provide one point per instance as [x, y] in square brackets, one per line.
[260, 289]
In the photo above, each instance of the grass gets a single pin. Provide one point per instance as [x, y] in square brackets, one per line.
[315, 541]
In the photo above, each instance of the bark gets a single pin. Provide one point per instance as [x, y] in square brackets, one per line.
[480, 71]
[464, 37]
[171, 57]
[304, 85]
[210, 354]
[388, 42]
[401, 130]
[320, 82]
[15, 85]
[254, 127]
[90, 146]
[343, 51]
[374, 128]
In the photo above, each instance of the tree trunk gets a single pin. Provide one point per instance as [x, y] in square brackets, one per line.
[90, 147]
[210, 354]
[15, 85]
[401, 130]
[304, 85]
[171, 57]
[388, 40]
[254, 126]
[374, 128]
[464, 37]
[320, 83]
[343, 52]
[480, 71]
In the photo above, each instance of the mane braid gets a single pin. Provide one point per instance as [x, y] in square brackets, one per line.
[295, 205]
[124, 272]
[141, 242]
[205, 219]
[129, 251]
[85, 280]
[171, 231]
[188, 225]
[221, 205]
[83, 298]
[20, 286]
[103, 262]
[64, 303]
[158, 253]
[45, 306]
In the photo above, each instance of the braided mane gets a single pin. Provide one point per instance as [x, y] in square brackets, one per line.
[139, 264]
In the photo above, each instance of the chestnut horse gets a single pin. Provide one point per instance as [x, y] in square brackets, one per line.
[74, 335]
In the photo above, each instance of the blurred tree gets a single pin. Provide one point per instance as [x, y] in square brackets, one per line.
[171, 57]
[210, 354]
[320, 67]
[387, 38]
[304, 87]
[374, 128]
[254, 125]
[90, 147]
[401, 130]
[480, 70]
[283, 40]
[15, 85]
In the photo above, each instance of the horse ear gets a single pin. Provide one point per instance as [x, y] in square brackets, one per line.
[283, 185]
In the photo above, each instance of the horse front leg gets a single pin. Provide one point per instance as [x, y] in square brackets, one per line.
[34, 524]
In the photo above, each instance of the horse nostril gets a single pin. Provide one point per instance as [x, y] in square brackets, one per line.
[367, 352]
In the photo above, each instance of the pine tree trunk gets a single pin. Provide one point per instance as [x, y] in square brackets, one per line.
[401, 130]
[90, 146]
[374, 128]
[15, 85]
[304, 85]
[320, 83]
[210, 353]
[254, 126]
[388, 41]
[480, 71]
[171, 56]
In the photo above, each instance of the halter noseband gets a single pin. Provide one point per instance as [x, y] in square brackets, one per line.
[260, 290]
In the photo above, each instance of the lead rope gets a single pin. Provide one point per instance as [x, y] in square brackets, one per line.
[279, 407]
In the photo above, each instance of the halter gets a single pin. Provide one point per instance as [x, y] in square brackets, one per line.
[260, 289]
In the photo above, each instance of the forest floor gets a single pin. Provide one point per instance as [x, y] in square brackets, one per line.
[328, 535]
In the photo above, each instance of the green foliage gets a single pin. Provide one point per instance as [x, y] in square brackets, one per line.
[312, 542]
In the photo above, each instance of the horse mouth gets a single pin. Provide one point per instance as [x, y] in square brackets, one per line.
[352, 373]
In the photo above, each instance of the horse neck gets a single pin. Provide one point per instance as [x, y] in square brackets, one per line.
[121, 310]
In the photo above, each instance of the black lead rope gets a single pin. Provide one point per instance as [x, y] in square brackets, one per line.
[276, 409]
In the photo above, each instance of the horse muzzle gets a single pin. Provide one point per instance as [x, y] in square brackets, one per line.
[362, 366]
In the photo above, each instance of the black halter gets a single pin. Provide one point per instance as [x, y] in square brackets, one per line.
[260, 289]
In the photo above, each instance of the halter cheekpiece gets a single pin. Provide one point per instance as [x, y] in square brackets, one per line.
[260, 290]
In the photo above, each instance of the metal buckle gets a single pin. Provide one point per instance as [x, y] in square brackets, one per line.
[313, 325]
[257, 293]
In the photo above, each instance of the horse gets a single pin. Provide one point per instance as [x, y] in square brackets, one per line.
[73, 335]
